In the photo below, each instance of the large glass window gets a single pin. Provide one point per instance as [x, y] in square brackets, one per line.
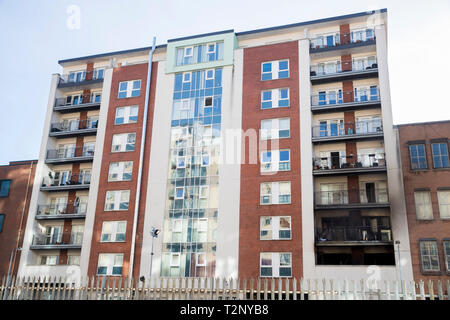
[276, 98]
[440, 155]
[275, 228]
[274, 264]
[429, 256]
[199, 53]
[444, 203]
[110, 264]
[128, 89]
[120, 171]
[418, 156]
[126, 115]
[4, 188]
[113, 231]
[424, 210]
[275, 160]
[123, 142]
[275, 129]
[447, 254]
[117, 200]
[275, 193]
[273, 70]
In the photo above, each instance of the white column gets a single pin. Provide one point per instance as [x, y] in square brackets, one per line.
[306, 154]
[95, 178]
[394, 169]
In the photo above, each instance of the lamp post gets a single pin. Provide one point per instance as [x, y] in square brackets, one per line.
[8, 278]
[397, 242]
[154, 233]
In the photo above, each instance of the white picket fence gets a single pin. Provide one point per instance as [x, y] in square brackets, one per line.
[118, 288]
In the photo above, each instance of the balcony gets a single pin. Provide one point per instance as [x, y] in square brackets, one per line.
[63, 240]
[351, 199]
[337, 41]
[332, 132]
[61, 211]
[333, 101]
[336, 164]
[333, 71]
[78, 103]
[65, 182]
[355, 235]
[71, 128]
[81, 79]
[70, 155]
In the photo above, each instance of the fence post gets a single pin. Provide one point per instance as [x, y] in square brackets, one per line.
[287, 291]
[448, 289]
[440, 292]
[294, 289]
[431, 289]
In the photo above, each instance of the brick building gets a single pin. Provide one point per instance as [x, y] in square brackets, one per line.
[426, 179]
[16, 184]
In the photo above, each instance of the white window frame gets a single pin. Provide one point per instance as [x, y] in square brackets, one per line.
[123, 142]
[117, 199]
[275, 69]
[206, 74]
[185, 105]
[198, 254]
[188, 55]
[426, 204]
[114, 231]
[205, 155]
[444, 204]
[120, 171]
[276, 264]
[172, 263]
[175, 223]
[274, 132]
[200, 188]
[184, 77]
[275, 228]
[126, 114]
[275, 193]
[176, 193]
[178, 162]
[130, 89]
[275, 161]
[111, 263]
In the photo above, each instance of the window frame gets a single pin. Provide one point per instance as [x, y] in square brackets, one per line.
[126, 115]
[9, 181]
[427, 272]
[127, 134]
[275, 232]
[447, 204]
[431, 204]
[2, 221]
[114, 231]
[440, 155]
[121, 170]
[411, 157]
[115, 192]
[446, 257]
[129, 89]
[111, 257]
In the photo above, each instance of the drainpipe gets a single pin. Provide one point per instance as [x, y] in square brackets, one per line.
[141, 159]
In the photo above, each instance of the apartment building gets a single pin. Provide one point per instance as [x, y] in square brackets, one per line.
[16, 183]
[257, 153]
[426, 179]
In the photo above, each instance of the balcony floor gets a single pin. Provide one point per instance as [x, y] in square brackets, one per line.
[362, 136]
[349, 171]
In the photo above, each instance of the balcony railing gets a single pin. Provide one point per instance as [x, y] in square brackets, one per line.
[81, 76]
[343, 162]
[359, 234]
[74, 101]
[73, 126]
[58, 239]
[334, 68]
[64, 180]
[348, 129]
[53, 210]
[335, 97]
[347, 197]
[336, 39]
[70, 153]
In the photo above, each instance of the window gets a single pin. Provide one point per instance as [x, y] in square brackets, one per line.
[117, 200]
[113, 231]
[274, 264]
[440, 155]
[203, 192]
[98, 73]
[4, 187]
[129, 89]
[126, 115]
[275, 70]
[110, 264]
[185, 104]
[275, 228]
[444, 203]
[429, 256]
[447, 254]
[73, 260]
[200, 259]
[209, 74]
[424, 210]
[179, 193]
[275, 160]
[205, 159]
[276, 98]
[275, 193]
[418, 156]
[120, 171]
[2, 220]
[275, 129]
[199, 53]
[77, 76]
[181, 162]
[175, 260]
[186, 77]
[48, 260]
[123, 142]
[96, 97]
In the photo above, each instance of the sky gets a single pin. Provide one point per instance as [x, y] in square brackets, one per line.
[35, 34]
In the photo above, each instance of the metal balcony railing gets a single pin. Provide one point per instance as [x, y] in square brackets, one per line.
[345, 197]
[62, 238]
[81, 76]
[360, 234]
[343, 162]
[73, 125]
[337, 39]
[78, 100]
[58, 179]
[336, 97]
[61, 209]
[335, 67]
[70, 153]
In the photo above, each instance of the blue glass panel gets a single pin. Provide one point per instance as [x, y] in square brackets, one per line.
[119, 120]
[209, 92]
[218, 78]
[217, 119]
[283, 65]
[175, 123]
[267, 67]
[122, 95]
[284, 93]
[136, 93]
[217, 91]
[185, 95]
[186, 86]
[330, 41]
[137, 84]
[266, 272]
[117, 270]
[283, 74]
[101, 270]
[183, 122]
[333, 129]
[207, 120]
[199, 53]
[267, 95]
[209, 83]
[177, 95]
[2, 219]
[266, 76]
[266, 105]
[323, 129]
[284, 155]
[178, 81]
[192, 94]
[285, 272]
[421, 150]
[283, 103]
[283, 134]
[180, 193]
[207, 111]
[267, 156]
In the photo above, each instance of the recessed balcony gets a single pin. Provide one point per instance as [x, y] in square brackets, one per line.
[61, 211]
[77, 103]
[342, 165]
[71, 128]
[334, 71]
[338, 41]
[81, 79]
[70, 155]
[338, 131]
[351, 199]
[66, 182]
[64, 240]
[354, 236]
[334, 101]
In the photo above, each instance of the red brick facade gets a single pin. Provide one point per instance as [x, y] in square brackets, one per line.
[15, 208]
[123, 73]
[429, 179]
[250, 244]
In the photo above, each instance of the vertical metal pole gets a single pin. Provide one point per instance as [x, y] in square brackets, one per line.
[400, 269]
[8, 278]
[151, 258]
